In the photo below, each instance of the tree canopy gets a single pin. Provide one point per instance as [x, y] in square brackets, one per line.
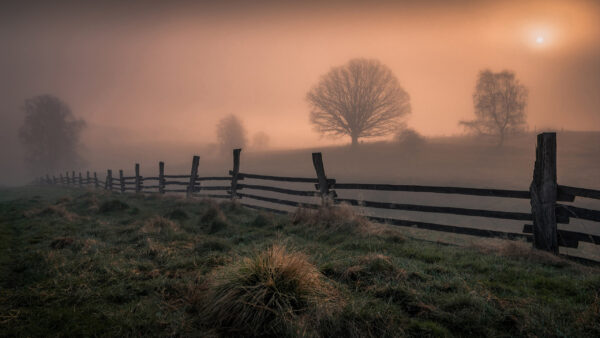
[499, 101]
[231, 134]
[360, 99]
[51, 135]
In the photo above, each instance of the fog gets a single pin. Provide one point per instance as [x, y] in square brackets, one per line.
[152, 79]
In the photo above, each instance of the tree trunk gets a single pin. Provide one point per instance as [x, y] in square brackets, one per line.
[354, 141]
[501, 141]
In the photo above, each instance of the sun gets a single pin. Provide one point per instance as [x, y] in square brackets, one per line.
[539, 40]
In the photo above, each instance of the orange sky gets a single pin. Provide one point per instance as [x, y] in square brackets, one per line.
[149, 71]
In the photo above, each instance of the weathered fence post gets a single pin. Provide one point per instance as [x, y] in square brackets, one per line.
[193, 175]
[73, 177]
[95, 180]
[47, 179]
[323, 184]
[87, 178]
[80, 180]
[62, 179]
[161, 177]
[138, 179]
[109, 180]
[54, 181]
[121, 181]
[235, 173]
[543, 192]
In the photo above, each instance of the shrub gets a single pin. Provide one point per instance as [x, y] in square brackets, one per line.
[264, 294]
[112, 205]
[410, 138]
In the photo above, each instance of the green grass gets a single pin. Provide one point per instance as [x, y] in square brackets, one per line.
[77, 263]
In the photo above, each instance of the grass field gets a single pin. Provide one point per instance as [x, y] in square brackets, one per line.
[84, 263]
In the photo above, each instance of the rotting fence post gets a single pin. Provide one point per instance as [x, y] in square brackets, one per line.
[543, 192]
[161, 177]
[62, 179]
[326, 196]
[80, 180]
[121, 181]
[87, 178]
[109, 180]
[193, 176]
[235, 173]
[95, 180]
[138, 179]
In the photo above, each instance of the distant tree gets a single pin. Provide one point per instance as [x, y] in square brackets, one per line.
[499, 101]
[231, 134]
[260, 141]
[409, 138]
[360, 99]
[51, 135]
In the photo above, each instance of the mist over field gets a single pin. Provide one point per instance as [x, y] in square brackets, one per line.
[152, 80]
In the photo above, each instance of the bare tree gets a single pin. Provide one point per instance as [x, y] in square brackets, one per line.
[260, 141]
[360, 99]
[231, 134]
[500, 101]
[51, 135]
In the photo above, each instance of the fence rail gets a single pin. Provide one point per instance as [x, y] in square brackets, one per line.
[543, 194]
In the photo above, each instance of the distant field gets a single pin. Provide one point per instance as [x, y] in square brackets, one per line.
[83, 263]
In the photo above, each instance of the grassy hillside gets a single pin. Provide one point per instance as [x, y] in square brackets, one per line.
[91, 263]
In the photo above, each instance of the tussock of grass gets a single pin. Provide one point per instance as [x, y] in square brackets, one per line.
[337, 218]
[213, 219]
[112, 206]
[264, 294]
[52, 210]
[521, 250]
[158, 225]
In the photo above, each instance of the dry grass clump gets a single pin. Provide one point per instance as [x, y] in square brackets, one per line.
[51, 210]
[372, 266]
[333, 218]
[158, 225]
[213, 220]
[520, 250]
[266, 294]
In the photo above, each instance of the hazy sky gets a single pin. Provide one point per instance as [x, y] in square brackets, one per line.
[139, 71]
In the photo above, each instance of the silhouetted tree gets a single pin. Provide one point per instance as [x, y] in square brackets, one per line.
[231, 134]
[500, 101]
[360, 99]
[260, 141]
[410, 138]
[51, 135]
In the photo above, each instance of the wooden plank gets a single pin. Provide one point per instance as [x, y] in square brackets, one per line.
[176, 183]
[212, 196]
[193, 175]
[448, 228]
[279, 190]
[175, 190]
[581, 213]
[150, 187]
[581, 192]
[138, 181]
[280, 201]
[150, 178]
[121, 181]
[235, 172]
[567, 238]
[215, 187]
[214, 178]
[109, 180]
[442, 210]
[434, 189]
[543, 192]
[161, 177]
[323, 185]
[282, 178]
[256, 207]
[176, 176]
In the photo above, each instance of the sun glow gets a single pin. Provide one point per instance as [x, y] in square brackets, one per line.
[539, 40]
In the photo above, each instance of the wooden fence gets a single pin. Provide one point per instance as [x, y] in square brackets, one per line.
[544, 195]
